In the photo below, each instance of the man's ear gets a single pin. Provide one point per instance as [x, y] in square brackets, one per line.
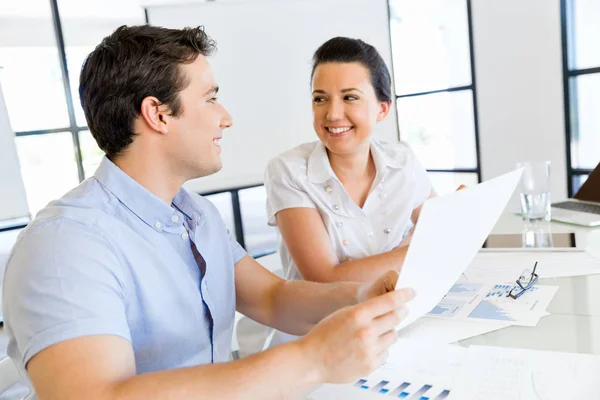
[384, 109]
[155, 114]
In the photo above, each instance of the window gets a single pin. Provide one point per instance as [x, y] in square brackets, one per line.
[259, 237]
[581, 73]
[47, 41]
[48, 167]
[435, 88]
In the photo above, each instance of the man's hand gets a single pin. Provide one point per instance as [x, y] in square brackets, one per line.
[354, 341]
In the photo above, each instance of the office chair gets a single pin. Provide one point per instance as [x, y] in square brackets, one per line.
[9, 375]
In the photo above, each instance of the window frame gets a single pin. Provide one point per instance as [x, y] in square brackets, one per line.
[570, 104]
[472, 87]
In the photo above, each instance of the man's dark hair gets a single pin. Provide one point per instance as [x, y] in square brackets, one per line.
[129, 65]
[347, 50]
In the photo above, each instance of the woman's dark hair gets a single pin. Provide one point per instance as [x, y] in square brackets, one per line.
[129, 65]
[347, 50]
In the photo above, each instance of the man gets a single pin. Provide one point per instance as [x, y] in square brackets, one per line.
[126, 287]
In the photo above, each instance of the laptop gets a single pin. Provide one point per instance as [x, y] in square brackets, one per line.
[584, 208]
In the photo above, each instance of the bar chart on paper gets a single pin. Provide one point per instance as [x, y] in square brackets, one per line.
[414, 371]
[465, 289]
[403, 390]
[490, 303]
[447, 307]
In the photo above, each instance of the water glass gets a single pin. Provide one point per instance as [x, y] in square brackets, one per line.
[537, 235]
[535, 190]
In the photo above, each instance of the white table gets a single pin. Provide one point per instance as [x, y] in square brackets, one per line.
[574, 323]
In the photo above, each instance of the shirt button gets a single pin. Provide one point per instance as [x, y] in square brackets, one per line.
[336, 207]
[345, 243]
[175, 218]
[387, 231]
[339, 224]
[157, 225]
[328, 189]
[370, 233]
[185, 236]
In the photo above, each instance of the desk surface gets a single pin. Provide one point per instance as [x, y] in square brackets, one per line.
[574, 323]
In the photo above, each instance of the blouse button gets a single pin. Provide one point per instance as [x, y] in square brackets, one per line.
[387, 231]
[345, 243]
[328, 189]
[336, 207]
[185, 236]
[339, 224]
[157, 225]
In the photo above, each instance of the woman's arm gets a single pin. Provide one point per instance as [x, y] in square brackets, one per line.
[310, 247]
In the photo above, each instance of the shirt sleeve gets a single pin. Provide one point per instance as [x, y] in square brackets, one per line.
[63, 281]
[283, 191]
[237, 251]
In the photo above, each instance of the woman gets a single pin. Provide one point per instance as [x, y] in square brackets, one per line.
[345, 204]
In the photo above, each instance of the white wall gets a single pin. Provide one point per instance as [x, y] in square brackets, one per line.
[518, 66]
[263, 67]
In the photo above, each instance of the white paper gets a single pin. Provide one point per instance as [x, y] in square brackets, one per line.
[412, 367]
[506, 266]
[446, 331]
[450, 231]
[502, 373]
[489, 303]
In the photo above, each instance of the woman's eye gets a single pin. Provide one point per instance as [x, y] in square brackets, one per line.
[351, 98]
[213, 100]
[318, 99]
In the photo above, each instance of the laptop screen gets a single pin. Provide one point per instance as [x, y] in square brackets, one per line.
[590, 190]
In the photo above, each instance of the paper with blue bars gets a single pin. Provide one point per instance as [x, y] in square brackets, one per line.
[450, 231]
[485, 302]
[414, 370]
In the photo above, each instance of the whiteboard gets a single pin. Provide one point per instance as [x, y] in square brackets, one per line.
[13, 202]
[263, 66]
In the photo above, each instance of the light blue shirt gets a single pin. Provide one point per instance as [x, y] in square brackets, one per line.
[110, 258]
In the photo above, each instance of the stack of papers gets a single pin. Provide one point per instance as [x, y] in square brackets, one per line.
[490, 303]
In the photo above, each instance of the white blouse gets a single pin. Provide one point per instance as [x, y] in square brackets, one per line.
[302, 177]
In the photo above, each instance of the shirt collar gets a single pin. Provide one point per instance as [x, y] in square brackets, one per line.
[319, 168]
[143, 203]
